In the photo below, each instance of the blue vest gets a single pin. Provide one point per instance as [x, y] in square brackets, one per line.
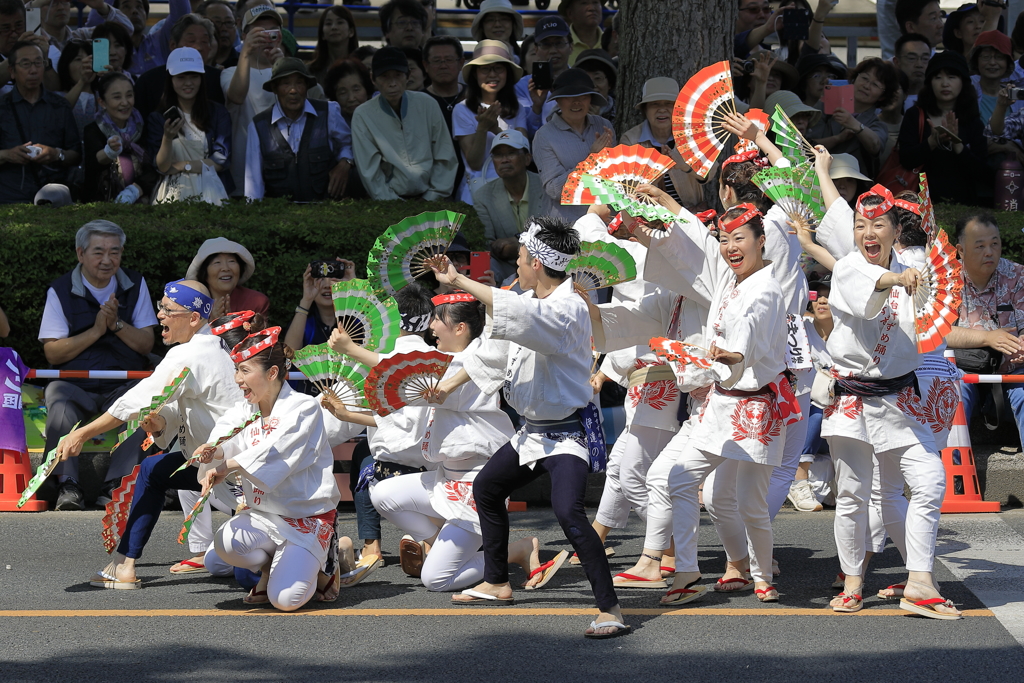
[109, 352]
[303, 177]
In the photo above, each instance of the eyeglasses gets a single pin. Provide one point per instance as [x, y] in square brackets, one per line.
[34, 64]
[446, 61]
[915, 59]
[406, 23]
[490, 69]
[757, 9]
[552, 45]
[160, 308]
[18, 28]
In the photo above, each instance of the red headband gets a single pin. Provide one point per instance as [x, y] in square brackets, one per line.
[888, 201]
[241, 319]
[453, 298]
[912, 207]
[707, 217]
[270, 336]
[615, 224]
[750, 211]
[752, 155]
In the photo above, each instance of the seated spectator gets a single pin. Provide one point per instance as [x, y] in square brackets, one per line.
[803, 116]
[39, 140]
[76, 80]
[849, 181]
[223, 266]
[120, 49]
[584, 19]
[55, 15]
[191, 150]
[97, 317]
[528, 50]
[283, 159]
[314, 318]
[602, 70]
[551, 38]
[417, 76]
[993, 297]
[1005, 134]
[770, 75]
[506, 203]
[892, 116]
[365, 55]
[860, 132]
[401, 144]
[948, 102]
[572, 134]
[815, 72]
[490, 107]
[923, 17]
[992, 64]
[657, 99]
[349, 84]
[336, 39]
[755, 21]
[912, 54]
[192, 31]
[151, 47]
[964, 25]
[222, 17]
[117, 167]
[403, 23]
[498, 20]
[443, 61]
[12, 31]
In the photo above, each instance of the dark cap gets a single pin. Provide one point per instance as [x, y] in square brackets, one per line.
[389, 59]
[599, 60]
[953, 21]
[951, 61]
[287, 67]
[550, 26]
[810, 63]
[575, 83]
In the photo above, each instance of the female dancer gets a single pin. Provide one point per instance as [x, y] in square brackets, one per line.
[286, 466]
[437, 508]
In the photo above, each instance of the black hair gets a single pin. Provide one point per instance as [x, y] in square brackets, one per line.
[911, 234]
[408, 8]
[322, 52]
[966, 106]
[362, 53]
[910, 10]
[909, 38]
[874, 200]
[983, 217]
[885, 72]
[201, 275]
[1017, 35]
[560, 236]
[438, 41]
[23, 44]
[201, 107]
[145, 5]
[104, 82]
[115, 32]
[416, 55]
[279, 355]
[67, 55]
[904, 80]
[414, 302]
[233, 337]
[473, 313]
[206, 4]
[506, 96]
[756, 224]
[737, 175]
[343, 68]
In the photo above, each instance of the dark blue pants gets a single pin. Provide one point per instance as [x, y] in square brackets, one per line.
[501, 476]
[154, 480]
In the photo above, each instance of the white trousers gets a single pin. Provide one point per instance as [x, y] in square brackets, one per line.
[785, 473]
[293, 569]
[924, 474]
[455, 560]
[746, 524]
[659, 503]
[625, 482]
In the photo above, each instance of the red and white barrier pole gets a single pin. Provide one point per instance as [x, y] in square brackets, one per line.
[115, 374]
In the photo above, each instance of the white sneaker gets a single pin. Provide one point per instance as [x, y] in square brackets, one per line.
[801, 497]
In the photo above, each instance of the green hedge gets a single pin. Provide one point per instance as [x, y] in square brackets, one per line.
[37, 245]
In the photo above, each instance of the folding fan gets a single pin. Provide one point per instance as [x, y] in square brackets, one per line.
[404, 251]
[404, 379]
[45, 469]
[371, 321]
[680, 352]
[794, 190]
[698, 115]
[154, 406]
[186, 527]
[601, 264]
[626, 165]
[793, 145]
[760, 120]
[333, 373]
[937, 298]
[928, 222]
[639, 206]
[213, 446]
[116, 510]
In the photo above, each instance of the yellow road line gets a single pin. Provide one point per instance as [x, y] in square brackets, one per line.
[463, 612]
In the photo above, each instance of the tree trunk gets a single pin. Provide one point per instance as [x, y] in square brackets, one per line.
[674, 38]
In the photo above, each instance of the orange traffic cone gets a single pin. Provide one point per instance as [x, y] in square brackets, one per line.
[963, 494]
[15, 472]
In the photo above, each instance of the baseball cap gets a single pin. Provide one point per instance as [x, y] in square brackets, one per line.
[258, 12]
[510, 138]
[389, 59]
[550, 26]
[185, 60]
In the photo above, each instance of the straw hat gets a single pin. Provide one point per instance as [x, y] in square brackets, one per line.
[221, 245]
[492, 52]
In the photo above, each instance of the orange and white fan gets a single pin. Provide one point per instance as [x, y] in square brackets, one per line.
[698, 116]
[404, 379]
[760, 120]
[937, 298]
[680, 352]
[627, 166]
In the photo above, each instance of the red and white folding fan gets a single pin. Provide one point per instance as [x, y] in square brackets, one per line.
[698, 115]
[937, 298]
[626, 165]
[928, 223]
[760, 120]
[404, 379]
[680, 352]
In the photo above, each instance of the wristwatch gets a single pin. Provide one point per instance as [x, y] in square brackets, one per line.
[60, 155]
[188, 168]
[118, 326]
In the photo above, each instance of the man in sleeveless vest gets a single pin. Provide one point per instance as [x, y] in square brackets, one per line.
[98, 316]
[300, 149]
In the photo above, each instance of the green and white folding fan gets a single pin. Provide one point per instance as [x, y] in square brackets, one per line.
[332, 372]
[794, 190]
[404, 252]
[788, 139]
[370, 320]
[601, 264]
[620, 199]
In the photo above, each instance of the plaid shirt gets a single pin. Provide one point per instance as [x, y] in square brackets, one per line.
[1000, 305]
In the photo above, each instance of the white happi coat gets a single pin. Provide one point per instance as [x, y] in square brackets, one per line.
[462, 435]
[747, 318]
[287, 470]
[937, 379]
[652, 397]
[207, 394]
[399, 435]
[539, 354]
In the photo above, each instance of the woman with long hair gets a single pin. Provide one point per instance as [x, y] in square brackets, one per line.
[74, 69]
[121, 46]
[336, 39]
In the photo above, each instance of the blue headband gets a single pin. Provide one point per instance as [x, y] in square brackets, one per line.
[191, 299]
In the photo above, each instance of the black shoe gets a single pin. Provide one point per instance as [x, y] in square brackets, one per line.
[70, 497]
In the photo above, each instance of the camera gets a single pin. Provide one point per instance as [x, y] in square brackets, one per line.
[272, 34]
[1015, 93]
[748, 66]
[33, 151]
[331, 269]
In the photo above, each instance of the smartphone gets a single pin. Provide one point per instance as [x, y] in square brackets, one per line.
[331, 269]
[542, 78]
[33, 17]
[479, 263]
[796, 24]
[172, 114]
[952, 136]
[100, 55]
[838, 97]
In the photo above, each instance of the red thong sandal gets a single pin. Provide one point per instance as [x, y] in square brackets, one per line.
[768, 594]
[256, 597]
[547, 570]
[842, 607]
[685, 594]
[633, 581]
[187, 567]
[725, 585]
[320, 595]
[925, 608]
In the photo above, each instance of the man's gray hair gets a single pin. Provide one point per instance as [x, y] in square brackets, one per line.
[188, 20]
[99, 227]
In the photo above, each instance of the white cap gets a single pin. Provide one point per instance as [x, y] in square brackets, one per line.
[512, 138]
[185, 60]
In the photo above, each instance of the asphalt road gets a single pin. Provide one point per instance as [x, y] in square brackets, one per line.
[195, 627]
